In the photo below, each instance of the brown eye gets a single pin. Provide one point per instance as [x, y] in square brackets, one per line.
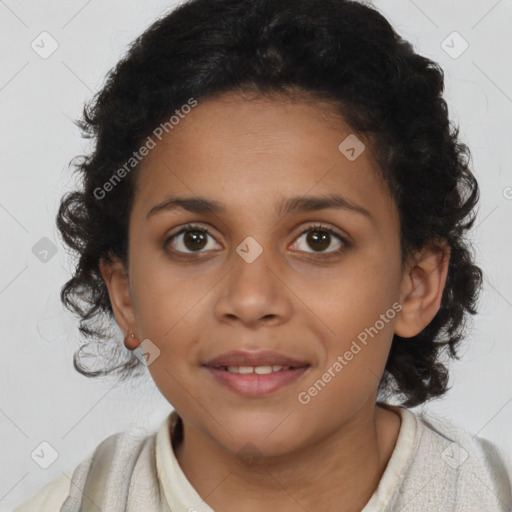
[320, 238]
[194, 239]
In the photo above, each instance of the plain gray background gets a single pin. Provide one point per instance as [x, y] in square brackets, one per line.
[42, 398]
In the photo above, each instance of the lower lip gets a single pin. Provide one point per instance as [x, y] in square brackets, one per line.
[254, 384]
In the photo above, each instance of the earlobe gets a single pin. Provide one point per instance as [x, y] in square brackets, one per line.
[117, 281]
[422, 289]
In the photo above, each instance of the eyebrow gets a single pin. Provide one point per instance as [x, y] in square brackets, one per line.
[286, 207]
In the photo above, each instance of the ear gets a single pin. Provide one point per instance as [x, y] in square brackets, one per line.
[422, 289]
[117, 280]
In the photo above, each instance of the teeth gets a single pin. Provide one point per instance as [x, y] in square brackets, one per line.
[261, 370]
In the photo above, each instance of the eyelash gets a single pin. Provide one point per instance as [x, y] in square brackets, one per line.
[315, 227]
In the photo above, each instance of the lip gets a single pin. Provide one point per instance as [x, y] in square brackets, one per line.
[253, 384]
[254, 358]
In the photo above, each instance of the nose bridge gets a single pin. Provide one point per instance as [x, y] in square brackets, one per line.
[252, 237]
[251, 261]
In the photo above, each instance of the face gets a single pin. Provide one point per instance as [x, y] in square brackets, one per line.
[255, 276]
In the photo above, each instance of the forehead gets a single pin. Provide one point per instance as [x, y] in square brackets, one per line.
[250, 153]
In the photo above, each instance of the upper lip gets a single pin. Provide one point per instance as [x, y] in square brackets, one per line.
[254, 358]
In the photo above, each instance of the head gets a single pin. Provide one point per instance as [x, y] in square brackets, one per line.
[247, 104]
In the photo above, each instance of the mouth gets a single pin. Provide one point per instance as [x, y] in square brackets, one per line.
[255, 373]
[256, 381]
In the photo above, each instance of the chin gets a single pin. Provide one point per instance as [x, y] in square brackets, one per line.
[257, 434]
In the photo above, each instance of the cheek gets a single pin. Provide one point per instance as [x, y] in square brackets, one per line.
[358, 308]
[355, 296]
[164, 293]
[167, 305]
[172, 330]
[355, 360]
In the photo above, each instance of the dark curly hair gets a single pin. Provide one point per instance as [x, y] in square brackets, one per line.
[341, 51]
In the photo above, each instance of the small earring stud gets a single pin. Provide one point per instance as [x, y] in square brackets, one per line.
[129, 341]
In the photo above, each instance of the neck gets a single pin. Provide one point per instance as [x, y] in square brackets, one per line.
[339, 472]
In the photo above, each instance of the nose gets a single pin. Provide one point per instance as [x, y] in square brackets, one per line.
[254, 292]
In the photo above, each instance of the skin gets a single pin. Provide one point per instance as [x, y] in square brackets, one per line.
[296, 298]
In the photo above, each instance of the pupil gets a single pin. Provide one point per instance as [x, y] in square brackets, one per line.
[312, 237]
[196, 237]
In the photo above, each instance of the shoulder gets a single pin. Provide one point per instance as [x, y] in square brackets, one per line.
[456, 468]
[111, 462]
